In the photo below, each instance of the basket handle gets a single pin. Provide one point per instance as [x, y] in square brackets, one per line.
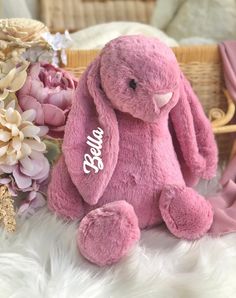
[219, 119]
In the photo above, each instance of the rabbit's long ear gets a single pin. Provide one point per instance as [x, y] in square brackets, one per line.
[91, 142]
[194, 133]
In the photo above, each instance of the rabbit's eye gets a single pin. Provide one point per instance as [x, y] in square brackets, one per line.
[132, 84]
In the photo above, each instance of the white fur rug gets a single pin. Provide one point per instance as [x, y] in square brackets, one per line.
[41, 261]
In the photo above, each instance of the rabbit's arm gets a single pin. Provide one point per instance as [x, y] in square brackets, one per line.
[194, 133]
[63, 197]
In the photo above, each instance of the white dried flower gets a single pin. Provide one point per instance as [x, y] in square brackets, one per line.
[58, 41]
[20, 32]
[19, 137]
[16, 35]
[12, 76]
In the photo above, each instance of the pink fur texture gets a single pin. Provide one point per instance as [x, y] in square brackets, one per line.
[134, 91]
[117, 219]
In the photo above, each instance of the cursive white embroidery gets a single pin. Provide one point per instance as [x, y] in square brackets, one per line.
[95, 143]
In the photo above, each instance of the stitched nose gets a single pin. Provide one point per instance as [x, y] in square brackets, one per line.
[162, 99]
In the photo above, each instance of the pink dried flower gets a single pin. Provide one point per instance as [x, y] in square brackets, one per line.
[28, 176]
[34, 201]
[49, 91]
[28, 170]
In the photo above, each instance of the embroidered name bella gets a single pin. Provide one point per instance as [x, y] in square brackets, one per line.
[95, 161]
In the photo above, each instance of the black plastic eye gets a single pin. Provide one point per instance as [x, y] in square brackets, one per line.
[132, 84]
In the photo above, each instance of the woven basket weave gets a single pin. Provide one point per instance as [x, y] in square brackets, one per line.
[202, 66]
[73, 15]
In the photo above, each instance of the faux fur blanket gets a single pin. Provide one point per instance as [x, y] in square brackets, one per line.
[41, 261]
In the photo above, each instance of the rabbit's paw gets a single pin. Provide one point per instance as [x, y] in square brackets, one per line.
[108, 233]
[186, 213]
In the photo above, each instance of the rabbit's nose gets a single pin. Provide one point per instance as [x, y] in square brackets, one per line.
[162, 99]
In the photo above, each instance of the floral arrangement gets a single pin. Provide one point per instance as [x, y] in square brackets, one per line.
[35, 99]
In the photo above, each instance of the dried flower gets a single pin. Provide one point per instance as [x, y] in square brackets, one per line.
[20, 32]
[38, 54]
[34, 201]
[50, 92]
[59, 43]
[27, 172]
[19, 137]
[27, 179]
[7, 213]
[12, 77]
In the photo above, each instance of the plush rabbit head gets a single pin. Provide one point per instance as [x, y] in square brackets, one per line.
[140, 76]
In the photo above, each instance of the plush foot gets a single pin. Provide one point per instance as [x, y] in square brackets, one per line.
[186, 213]
[106, 234]
[63, 197]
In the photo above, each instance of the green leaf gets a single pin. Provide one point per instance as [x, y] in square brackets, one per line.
[53, 150]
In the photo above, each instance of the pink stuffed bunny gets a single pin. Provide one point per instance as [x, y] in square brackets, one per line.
[119, 171]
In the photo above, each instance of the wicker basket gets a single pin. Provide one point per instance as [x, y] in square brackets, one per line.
[202, 66]
[73, 15]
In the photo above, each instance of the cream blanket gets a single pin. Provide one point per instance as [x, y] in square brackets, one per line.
[96, 37]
